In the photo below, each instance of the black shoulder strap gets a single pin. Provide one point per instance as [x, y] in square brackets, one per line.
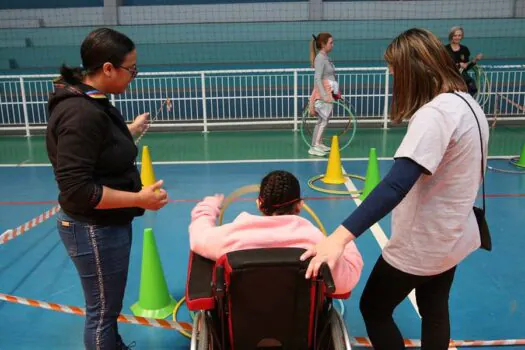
[481, 142]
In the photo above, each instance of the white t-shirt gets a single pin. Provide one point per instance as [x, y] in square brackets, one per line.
[434, 227]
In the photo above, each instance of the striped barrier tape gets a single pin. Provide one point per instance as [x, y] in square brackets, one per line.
[13, 233]
[517, 105]
[416, 343]
[143, 321]
[184, 326]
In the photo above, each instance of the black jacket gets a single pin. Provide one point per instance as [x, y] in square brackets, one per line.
[460, 56]
[90, 146]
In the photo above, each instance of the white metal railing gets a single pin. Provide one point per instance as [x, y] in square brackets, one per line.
[244, 97]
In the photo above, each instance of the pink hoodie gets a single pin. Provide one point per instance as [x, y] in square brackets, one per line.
[252, 231]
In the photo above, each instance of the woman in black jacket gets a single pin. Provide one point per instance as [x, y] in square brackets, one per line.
[461, 56]
[93, 153]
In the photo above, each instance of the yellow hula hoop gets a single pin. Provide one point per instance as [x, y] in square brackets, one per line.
[175, 311]
[316, 219]
[311, 184]
[255, 188]
[234, 195]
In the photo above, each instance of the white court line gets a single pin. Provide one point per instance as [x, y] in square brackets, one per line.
[381, 239]
[240, 161]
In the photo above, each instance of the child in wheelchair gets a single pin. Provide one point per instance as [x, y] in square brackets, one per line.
[279, 226]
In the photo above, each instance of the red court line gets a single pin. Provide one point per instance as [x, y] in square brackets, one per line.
[192, 200]
[183, 200]
[505, 195]
[333, 198]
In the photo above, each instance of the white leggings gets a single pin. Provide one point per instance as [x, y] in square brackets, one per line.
[324, 111]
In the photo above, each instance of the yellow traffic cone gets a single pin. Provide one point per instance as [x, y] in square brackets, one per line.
[334, 171]
[147, 175]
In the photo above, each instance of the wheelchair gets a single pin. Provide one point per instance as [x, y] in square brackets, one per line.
[260, 299]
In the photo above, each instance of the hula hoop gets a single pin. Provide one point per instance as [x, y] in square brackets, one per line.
[255, 188]
[311, 184]
[175, 311]
[514, 161]
[351, 122]
[482, 96]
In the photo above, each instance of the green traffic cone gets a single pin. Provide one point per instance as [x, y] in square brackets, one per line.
[154, 298]
[372, 174]
[521, 161]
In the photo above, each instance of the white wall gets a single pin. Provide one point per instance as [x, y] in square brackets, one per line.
[214, 13]
[520, 8]
[368, 10]
[69, 17]
[260, 12]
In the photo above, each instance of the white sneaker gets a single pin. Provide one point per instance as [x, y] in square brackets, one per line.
[323, 148]
[315, 151]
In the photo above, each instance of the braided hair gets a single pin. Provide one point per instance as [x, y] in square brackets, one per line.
[279, 193]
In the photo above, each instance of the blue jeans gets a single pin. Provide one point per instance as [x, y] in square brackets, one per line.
[101, 256]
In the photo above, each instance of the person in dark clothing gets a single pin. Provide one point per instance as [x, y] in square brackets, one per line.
[93, 153]
[461, 56]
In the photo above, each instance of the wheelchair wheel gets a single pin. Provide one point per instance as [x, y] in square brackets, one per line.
[200, 336]
[338, 332]
[341, 114]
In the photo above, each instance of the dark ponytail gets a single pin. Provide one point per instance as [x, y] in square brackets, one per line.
[71, 75]
[279, 194]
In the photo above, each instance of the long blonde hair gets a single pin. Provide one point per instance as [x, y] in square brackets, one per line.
[422, 69]
[316, 44]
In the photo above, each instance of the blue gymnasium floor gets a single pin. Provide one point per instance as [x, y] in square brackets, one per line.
[487, 299]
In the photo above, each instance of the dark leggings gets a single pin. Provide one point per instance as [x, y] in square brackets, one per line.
[387, 287]
[471, 83]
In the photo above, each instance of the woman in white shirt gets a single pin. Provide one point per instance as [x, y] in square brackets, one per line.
[432, 186]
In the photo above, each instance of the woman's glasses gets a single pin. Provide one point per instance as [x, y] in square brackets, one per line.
[133, 71]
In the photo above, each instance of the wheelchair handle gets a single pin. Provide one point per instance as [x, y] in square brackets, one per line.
[219, 281]
[328, 280]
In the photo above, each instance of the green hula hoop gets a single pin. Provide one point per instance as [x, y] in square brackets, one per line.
[306, 116]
